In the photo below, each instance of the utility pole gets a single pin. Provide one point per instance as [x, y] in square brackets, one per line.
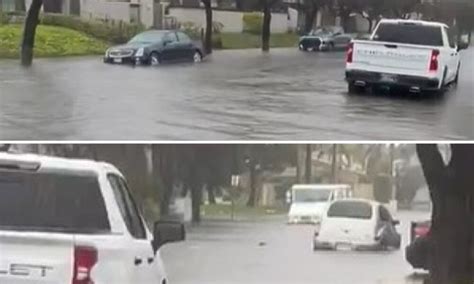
[308, 166]
[299, 164]
[334, 163]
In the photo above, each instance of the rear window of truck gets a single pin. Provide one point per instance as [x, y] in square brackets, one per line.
[52, 202]
[409, 34]
[350, 209]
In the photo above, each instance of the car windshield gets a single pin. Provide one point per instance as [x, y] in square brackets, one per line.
[350, 209]
[409, 33]
[52, 202]
[324, 30]
[311, 195]
[147, 37]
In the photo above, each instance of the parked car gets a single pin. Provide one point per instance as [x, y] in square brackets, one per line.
[325, 38]
[417, 55]
[156, 47]
[310, 201]
[357, 224]
[417, 252]
[75, 221]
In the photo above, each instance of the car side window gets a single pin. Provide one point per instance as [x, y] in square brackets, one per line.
[384, 214]
[171, 37]
[182, 37]
[127, 206]
[451, 38]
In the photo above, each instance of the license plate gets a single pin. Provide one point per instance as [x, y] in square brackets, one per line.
[117, 60]
[388, 78]
[344, 246]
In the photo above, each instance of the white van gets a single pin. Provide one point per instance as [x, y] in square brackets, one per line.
[66, 221]
[310, 201]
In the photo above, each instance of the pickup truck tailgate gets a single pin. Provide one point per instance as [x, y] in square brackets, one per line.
[391, 58]
[35, 258]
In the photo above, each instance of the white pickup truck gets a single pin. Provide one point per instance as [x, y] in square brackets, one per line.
[417, 55]
[66, 221]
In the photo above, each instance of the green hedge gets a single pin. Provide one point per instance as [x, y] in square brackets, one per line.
[114, 32]
[253, 23]
[50, 42]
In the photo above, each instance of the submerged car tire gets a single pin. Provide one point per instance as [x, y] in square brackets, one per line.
[353, 89]
[197, 57]
[155, 59]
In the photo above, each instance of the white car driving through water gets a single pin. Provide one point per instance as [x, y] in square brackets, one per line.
[310, 201]
[417, 55]
[66, 221]
[357, 224]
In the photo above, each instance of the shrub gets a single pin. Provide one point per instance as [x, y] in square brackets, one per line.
[253, 23]
[50, 41]
[110, 31]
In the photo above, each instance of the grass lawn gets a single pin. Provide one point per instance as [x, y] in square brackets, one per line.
[224, 210]
[245, 40]
[50, 41]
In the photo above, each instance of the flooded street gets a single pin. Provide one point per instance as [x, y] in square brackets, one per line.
[284, 95]
[272, 252]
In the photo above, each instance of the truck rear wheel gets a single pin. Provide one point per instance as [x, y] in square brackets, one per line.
[353, 89]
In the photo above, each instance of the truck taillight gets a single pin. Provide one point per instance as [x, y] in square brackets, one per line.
[84, 260]
[434, 60]
[350, 52]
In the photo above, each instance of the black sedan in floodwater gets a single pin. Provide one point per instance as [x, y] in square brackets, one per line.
[155, 47]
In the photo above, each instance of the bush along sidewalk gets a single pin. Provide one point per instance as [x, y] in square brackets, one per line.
[50, 42]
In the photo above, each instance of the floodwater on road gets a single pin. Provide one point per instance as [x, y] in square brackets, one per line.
[283, 95]
[272, 252]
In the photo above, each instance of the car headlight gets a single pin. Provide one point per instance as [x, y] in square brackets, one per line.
[140, 52]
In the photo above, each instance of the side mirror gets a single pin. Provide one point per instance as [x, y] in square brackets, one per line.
[167, 232]
[396, 222]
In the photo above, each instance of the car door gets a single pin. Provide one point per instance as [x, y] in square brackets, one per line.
[170, 47]
[142, 256]
[186, 47]
[452, 55]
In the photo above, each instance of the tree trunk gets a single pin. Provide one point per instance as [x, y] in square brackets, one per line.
[253, 189]
[20, 5]
[29, 33]
[308, 164]
[208, 35]
[451, 189]
[267, 19]
[196, 195]
[334, 164]
[211, 194]
[310, 16]
[299, 164]
[371, 24]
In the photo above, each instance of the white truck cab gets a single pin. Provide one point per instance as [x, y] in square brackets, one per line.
[310, 201]
[417, 55]
[65, 221]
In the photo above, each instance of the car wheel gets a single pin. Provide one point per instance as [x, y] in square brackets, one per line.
[353, 89]
[331, 46]
[197, 57]
[302, 47]
[155, 59]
